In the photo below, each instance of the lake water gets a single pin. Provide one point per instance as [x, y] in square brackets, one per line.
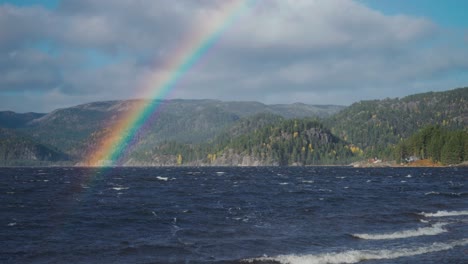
[234, 215]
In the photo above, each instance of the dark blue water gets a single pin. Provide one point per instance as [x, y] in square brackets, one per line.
[234, 215]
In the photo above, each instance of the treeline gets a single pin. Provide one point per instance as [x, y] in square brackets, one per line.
[275, 141]
[435, 143]
[377, 125]
[296, 141]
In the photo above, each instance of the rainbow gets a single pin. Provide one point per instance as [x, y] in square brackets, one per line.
[159, 84]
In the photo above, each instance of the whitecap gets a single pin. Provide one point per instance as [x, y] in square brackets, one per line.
[284, 183]
[355, 256]
[11, 224]
[422, 231]
[162, 178]
[119, 188]
[307, 181]
[445, 213]
[220, 173]
[446, 193]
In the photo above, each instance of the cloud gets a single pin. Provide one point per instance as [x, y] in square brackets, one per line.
[28, 70]
[314, 51]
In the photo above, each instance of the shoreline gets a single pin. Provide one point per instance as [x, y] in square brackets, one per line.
[352, 165]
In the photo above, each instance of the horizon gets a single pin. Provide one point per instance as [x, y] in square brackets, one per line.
[228, 101]
[64, 53]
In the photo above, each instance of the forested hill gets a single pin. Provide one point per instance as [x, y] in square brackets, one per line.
[276, 142]
[378, 124]
[16, 149]
[434, 143]
[77, 130]
[212, 132]
[9, 119]
[288, 142]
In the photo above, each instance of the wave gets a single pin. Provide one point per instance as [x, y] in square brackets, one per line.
[120, 188]
[423, 231]
[448, 194]
[445, 213]
[355, 256]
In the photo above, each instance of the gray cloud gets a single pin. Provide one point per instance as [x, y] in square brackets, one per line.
[330, 51]
[28, 70]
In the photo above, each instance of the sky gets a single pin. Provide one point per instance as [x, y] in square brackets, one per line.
[62, 53]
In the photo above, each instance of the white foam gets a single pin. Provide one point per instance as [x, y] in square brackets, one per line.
[423, 231]
[162, 178]
[119, 188]
[355, 256]
[445, 213]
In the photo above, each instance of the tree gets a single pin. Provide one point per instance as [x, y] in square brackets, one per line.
[452, 150]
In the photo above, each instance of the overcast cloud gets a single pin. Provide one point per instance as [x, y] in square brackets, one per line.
[280, 51]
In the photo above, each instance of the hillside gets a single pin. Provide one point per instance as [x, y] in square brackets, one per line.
[434, 143]
[212, 132]
[375, 125]
[9, 119]
[73, 130]
[16, 150]
[287, 142]
[275, 142]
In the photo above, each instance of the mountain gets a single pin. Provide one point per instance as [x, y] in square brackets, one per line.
[375, 125]
[74, 129]
[16, 150]
[213, 132]
[9, 119]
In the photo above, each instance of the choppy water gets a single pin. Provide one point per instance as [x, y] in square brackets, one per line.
[234, 215]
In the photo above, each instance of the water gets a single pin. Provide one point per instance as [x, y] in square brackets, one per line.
[234, 215]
